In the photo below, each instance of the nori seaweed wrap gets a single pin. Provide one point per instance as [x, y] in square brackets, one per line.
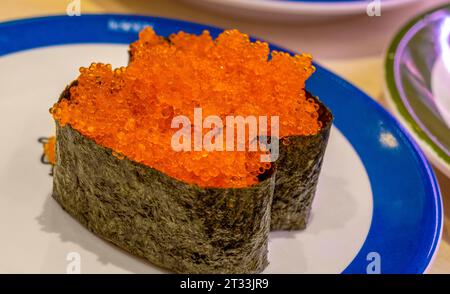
[175, 225]
[298, 169]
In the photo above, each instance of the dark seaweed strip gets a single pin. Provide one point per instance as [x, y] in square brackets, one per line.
[298, 168]
[174, 225]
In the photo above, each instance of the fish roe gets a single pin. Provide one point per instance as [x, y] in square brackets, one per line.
[130, 109]
[49, 150]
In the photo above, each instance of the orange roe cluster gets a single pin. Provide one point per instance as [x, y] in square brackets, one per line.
[49, 150]
[130, 109]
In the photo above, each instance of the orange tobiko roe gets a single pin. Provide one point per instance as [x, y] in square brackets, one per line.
[49, 150]
[130, 109]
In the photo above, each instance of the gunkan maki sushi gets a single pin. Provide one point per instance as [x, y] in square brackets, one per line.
[175, 157]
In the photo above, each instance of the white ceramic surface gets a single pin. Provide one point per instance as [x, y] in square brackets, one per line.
[293, 11]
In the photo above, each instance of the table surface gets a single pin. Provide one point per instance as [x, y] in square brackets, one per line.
[360, 62]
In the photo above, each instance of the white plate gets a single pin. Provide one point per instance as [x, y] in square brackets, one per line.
[294, 10]
[375, 190]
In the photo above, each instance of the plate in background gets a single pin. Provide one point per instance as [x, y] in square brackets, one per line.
[294, 10]
[417, 76]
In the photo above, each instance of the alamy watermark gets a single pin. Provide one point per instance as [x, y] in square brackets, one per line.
[374, 8]
[74, 8]
[229, 134]
[74, 265]
[374, 266]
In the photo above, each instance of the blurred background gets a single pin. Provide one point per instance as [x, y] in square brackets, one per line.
[352, 45]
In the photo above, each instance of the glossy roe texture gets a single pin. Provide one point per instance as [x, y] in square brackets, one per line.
[130, 109]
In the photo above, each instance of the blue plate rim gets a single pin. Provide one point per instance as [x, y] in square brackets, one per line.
[360, 261]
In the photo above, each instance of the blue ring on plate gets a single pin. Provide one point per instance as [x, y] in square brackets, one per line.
[407, 207]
